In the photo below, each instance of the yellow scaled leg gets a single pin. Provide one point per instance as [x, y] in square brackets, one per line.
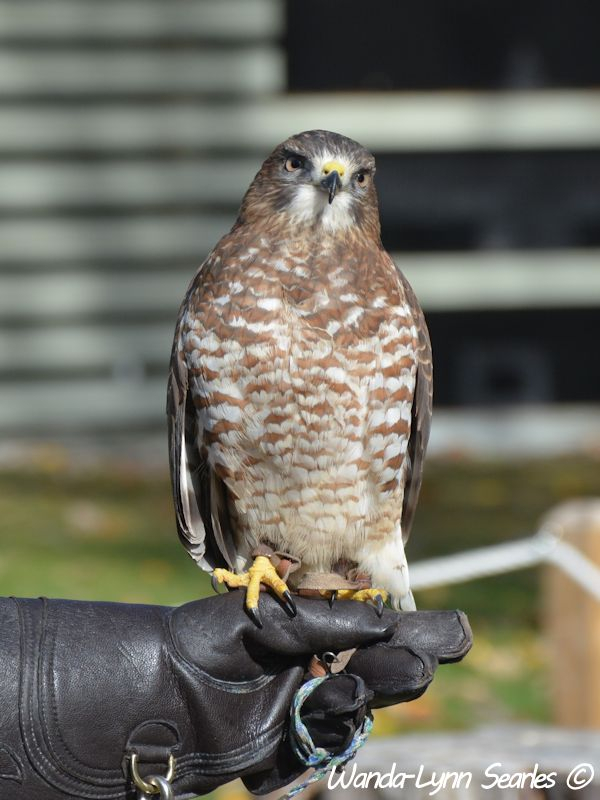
[261, 572]
[378, 596]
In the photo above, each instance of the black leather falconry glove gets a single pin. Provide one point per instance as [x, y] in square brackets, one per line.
[86, 686]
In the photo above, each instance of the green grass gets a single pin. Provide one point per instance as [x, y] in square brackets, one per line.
[97, 535]
[109, 534]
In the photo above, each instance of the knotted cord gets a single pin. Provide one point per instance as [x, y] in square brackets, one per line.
[304, 748]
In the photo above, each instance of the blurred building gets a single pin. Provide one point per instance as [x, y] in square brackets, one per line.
[131, 128]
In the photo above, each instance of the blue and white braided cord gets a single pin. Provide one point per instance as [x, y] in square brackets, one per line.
[318, 757]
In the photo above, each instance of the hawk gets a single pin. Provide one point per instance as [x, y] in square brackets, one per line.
[300, 388]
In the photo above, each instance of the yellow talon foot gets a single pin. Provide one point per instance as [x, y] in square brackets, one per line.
[261, 572]
[378, 596]
[229, 578]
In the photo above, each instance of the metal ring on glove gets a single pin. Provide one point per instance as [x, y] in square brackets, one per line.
[154, 784]
[162, 787]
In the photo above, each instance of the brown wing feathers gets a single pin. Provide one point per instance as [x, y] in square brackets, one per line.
[200, 497]
[420, 416]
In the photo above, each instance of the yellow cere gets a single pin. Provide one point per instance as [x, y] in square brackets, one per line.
[330, 166]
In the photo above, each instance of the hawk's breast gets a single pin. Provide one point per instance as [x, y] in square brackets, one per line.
[303, 386]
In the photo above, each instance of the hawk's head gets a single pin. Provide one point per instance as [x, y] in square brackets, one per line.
[316, 179]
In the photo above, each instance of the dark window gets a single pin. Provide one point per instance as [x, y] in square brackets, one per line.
[465, 201]
[440, 44]
[531, 356]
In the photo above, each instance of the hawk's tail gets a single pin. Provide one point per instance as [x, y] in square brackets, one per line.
[404, 603]
[386, 563]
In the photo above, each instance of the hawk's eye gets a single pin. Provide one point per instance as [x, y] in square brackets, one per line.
[294, 163]
[362, 179]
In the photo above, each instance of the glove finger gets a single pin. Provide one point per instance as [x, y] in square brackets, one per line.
[318, 628]
[335, 710]
[403, 667]
[446, 635]
[340, 695]
[393, 675]
[222, 620]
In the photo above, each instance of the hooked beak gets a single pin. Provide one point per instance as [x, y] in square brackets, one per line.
[333, 171]
[332, 183]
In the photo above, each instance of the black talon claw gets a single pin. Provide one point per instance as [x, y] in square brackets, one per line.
[215, 584]
[379, 601]
[255, 616]
[291, 605]
[332, 598]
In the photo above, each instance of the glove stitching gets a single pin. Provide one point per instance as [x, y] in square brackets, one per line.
[98, 773]
[48, 770]
[217, 763]
[236, 687]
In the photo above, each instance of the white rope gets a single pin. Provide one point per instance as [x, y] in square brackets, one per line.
[543, 547]
[574, 563]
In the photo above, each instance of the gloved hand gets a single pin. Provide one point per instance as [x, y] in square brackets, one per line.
[86, 685]
[380, 673]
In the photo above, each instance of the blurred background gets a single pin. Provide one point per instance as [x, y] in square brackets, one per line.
[129, 130]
